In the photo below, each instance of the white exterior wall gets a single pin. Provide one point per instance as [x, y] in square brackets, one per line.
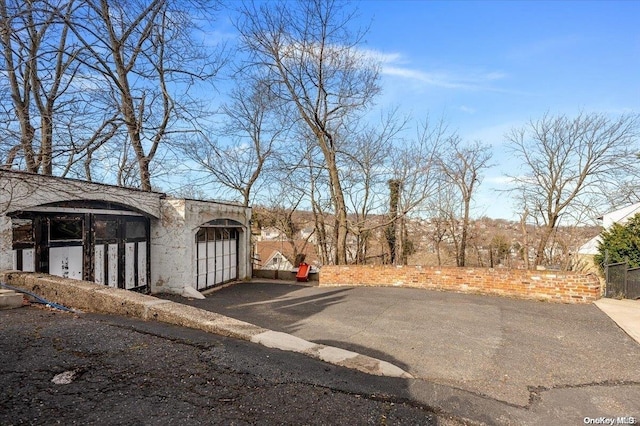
[173, 241]
[174, 222]
[21, 191]
[6, 243]
[170, 250]
[24, 191]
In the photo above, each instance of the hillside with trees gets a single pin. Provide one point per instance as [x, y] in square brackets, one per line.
[493, 243]
[142, 93]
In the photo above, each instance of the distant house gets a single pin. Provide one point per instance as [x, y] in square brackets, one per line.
[120, 237]
[307, 233]
[271, 234]
[278, 255]
[589, 249]
[279, 261]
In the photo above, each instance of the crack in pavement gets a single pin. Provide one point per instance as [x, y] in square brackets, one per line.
[537, 391]
[365, 327]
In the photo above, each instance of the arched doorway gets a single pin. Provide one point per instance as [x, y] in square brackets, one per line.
[217, 253]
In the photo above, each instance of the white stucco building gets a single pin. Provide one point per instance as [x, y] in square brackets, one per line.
[127, 238]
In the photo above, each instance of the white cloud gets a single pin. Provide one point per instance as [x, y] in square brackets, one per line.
[468, 110]
[499, 180]
[382, 57]
[430, 79]
[396, 65]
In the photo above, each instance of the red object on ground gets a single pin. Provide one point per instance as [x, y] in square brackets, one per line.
[303, 272]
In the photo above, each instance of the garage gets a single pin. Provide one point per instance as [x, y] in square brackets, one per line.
[121, 248]
[217, 253]
[121, 237]
[98, 242]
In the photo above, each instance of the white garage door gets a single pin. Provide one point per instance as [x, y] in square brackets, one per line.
[217, 256]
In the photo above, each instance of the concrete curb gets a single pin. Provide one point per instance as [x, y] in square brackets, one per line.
[10, 299]
[330, 354]
[91, 297]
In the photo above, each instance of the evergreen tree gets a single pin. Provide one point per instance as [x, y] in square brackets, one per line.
[620, 243]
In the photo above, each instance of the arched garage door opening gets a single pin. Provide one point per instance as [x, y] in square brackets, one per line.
[217, 253]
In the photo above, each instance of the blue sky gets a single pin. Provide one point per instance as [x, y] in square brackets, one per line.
[490, 66]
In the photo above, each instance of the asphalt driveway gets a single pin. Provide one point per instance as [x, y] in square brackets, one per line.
[513, 351]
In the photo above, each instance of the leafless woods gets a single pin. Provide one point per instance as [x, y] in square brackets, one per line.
[143, 91]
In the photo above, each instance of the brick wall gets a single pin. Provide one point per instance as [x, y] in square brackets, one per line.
[274, 274]
[553, 286]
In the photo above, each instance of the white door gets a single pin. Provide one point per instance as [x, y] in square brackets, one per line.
[217, 260]
[66, 262]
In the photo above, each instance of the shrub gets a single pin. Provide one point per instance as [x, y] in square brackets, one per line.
[620, 243]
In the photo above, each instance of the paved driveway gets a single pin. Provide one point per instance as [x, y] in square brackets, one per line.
[514, 351]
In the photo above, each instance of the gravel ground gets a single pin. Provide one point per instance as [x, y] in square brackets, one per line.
[61, 368]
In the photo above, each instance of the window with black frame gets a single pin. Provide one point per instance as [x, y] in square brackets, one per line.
[66, 229]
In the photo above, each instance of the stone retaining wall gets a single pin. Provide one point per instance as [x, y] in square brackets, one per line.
[553, 286]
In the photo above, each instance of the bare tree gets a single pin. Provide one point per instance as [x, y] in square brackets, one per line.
[282, 214]
[525, 243]
[307, 175]
[253, 131]
[395, 189]
[365, 171]
[437, 235]
[462, 166]
[145, 53]
[413, 163]
[499, 248]
[568, 164]
[88, 80]
[443, 223]
[38, 60]
[314, 64]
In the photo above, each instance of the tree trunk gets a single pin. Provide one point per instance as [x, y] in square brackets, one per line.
[391, 234]
[525, 238]
[465, 232]
[401, 252]
[46, 148]
[337, 196]
[542, 245]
